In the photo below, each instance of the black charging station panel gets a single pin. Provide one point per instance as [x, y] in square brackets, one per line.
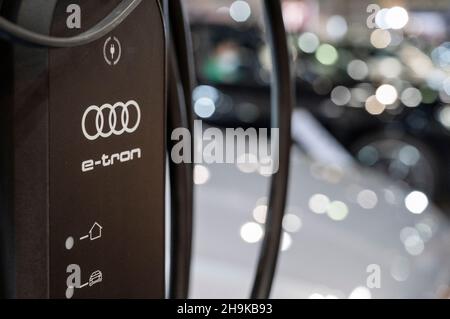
[83, 155]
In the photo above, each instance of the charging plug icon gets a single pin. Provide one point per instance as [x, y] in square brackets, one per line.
[112, 51]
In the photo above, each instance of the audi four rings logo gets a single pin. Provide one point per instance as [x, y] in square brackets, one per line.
[109, 120]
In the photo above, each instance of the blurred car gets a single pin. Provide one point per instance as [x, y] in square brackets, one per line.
[344, 223]
[407, 139]
[340, 226]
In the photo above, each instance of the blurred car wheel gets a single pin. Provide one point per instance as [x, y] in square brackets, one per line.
[403, 159]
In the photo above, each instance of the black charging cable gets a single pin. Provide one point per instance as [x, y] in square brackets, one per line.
[13, 31]
[182, 44]
[181, 188]
[181, 81]
[182, 218]
[282, 104]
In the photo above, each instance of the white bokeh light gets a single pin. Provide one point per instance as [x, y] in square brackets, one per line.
[387, 94]
[367, 199]
[292, 223]
[374, 107]
[308, 42]
[201, 175]
[252, 233]
[400, 269]
[397, 18]
[286, 242]
[411, 97]
[380, 39]
[358, 69]
[360, 293]
[240, 11]
[319, 203]
[380, 19]
[414, 245]
[260, 214]
[341, 95]
[444, 116]
[337, 27]
[417, 202]
[205, 107]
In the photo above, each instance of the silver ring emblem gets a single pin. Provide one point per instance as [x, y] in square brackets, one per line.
[111, 120]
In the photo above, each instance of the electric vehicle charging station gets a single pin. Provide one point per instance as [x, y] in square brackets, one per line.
[84, 143]
[83, 154]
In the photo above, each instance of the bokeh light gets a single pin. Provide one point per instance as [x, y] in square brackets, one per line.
[417, 202]
[252, 233]
[358, 70]
[397, 18]
[205, 107]
[360, 293]
[338, 211]
[380, 39]
[308, 42]
[337, 27]
[374, 106]
[292, 223]
[201, 175]
[411, 97]
[319, 203]
[327, 54]
[387, 94]
[341, 95]
[240, 11]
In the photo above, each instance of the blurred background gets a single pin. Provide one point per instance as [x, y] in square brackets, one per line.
[370, 164]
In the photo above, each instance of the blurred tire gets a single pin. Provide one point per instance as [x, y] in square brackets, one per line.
[403, 158]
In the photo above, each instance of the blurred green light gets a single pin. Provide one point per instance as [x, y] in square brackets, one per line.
[327, 54]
